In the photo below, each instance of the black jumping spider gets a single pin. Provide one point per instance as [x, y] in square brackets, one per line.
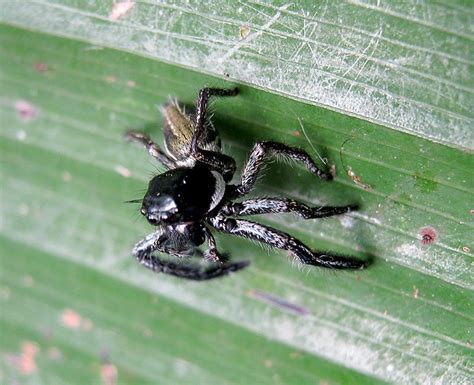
[194, 195]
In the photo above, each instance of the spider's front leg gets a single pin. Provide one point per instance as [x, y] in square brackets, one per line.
[215, 160]
[257, 158]
[143, 252]
[281, 240]
[201, 110]
[283, 205]
[153, 149]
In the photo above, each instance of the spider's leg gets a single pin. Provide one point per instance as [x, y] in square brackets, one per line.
[153, 149]
[193, 272]
[212, 254]
[143, 252]
[217, 161]
[201, 111]
[257, 158]
[278, 205]
[281, 240]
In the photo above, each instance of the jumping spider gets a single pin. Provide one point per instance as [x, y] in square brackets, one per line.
[194, 195]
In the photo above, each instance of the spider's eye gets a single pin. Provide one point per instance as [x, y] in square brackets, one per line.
[153, 221]
[143, 211]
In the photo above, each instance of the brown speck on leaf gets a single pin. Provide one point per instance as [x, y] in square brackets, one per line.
[296, 133]
[40, 67]
[466, 249]
[67, 176]
[110, 79]
[385, 312]
[108, 374]
[121, 9]
[5, 292]
[471, 211]
[125, 172]
[428, 235]
[244, 31]
[147, 333]
[268, 363]
[295, 354]
[24, 362]
[333, 171]
[29, 348]
[131, 83]
[87, 325]
[26, 111]
[356, 179]
[416, 292]
[28, 281]
[71, 319]
[350, 172]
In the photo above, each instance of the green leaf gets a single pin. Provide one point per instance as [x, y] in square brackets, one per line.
[76, 308]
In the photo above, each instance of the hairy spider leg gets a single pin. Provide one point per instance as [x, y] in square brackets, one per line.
[143, 252]
[281, 240]
[153, 149]
[283, 205]
[216, 160]
[257, 158]
[212, 254]
[189, 271]
[201, 110]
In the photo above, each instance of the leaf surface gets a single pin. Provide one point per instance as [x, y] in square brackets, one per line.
[68, 283]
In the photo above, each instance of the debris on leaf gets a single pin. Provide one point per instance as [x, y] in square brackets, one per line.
[416, 292]
[125, 172]
[244, 31]
[25, 110]
[350, 172]
[121, 9]
[428, 235]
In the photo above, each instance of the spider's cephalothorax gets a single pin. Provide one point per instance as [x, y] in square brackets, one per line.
[194, 195]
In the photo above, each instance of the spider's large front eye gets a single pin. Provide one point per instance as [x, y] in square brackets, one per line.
[153, 221]
[143, 211]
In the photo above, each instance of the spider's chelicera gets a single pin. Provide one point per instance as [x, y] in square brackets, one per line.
[195, 196]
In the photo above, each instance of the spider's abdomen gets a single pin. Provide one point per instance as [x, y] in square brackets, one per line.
[182, 195]
[179, 129]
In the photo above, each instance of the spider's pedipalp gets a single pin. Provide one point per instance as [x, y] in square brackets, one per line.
[153, 149]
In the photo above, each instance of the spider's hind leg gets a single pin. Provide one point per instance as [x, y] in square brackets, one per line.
[281, 240]
[279, 205]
